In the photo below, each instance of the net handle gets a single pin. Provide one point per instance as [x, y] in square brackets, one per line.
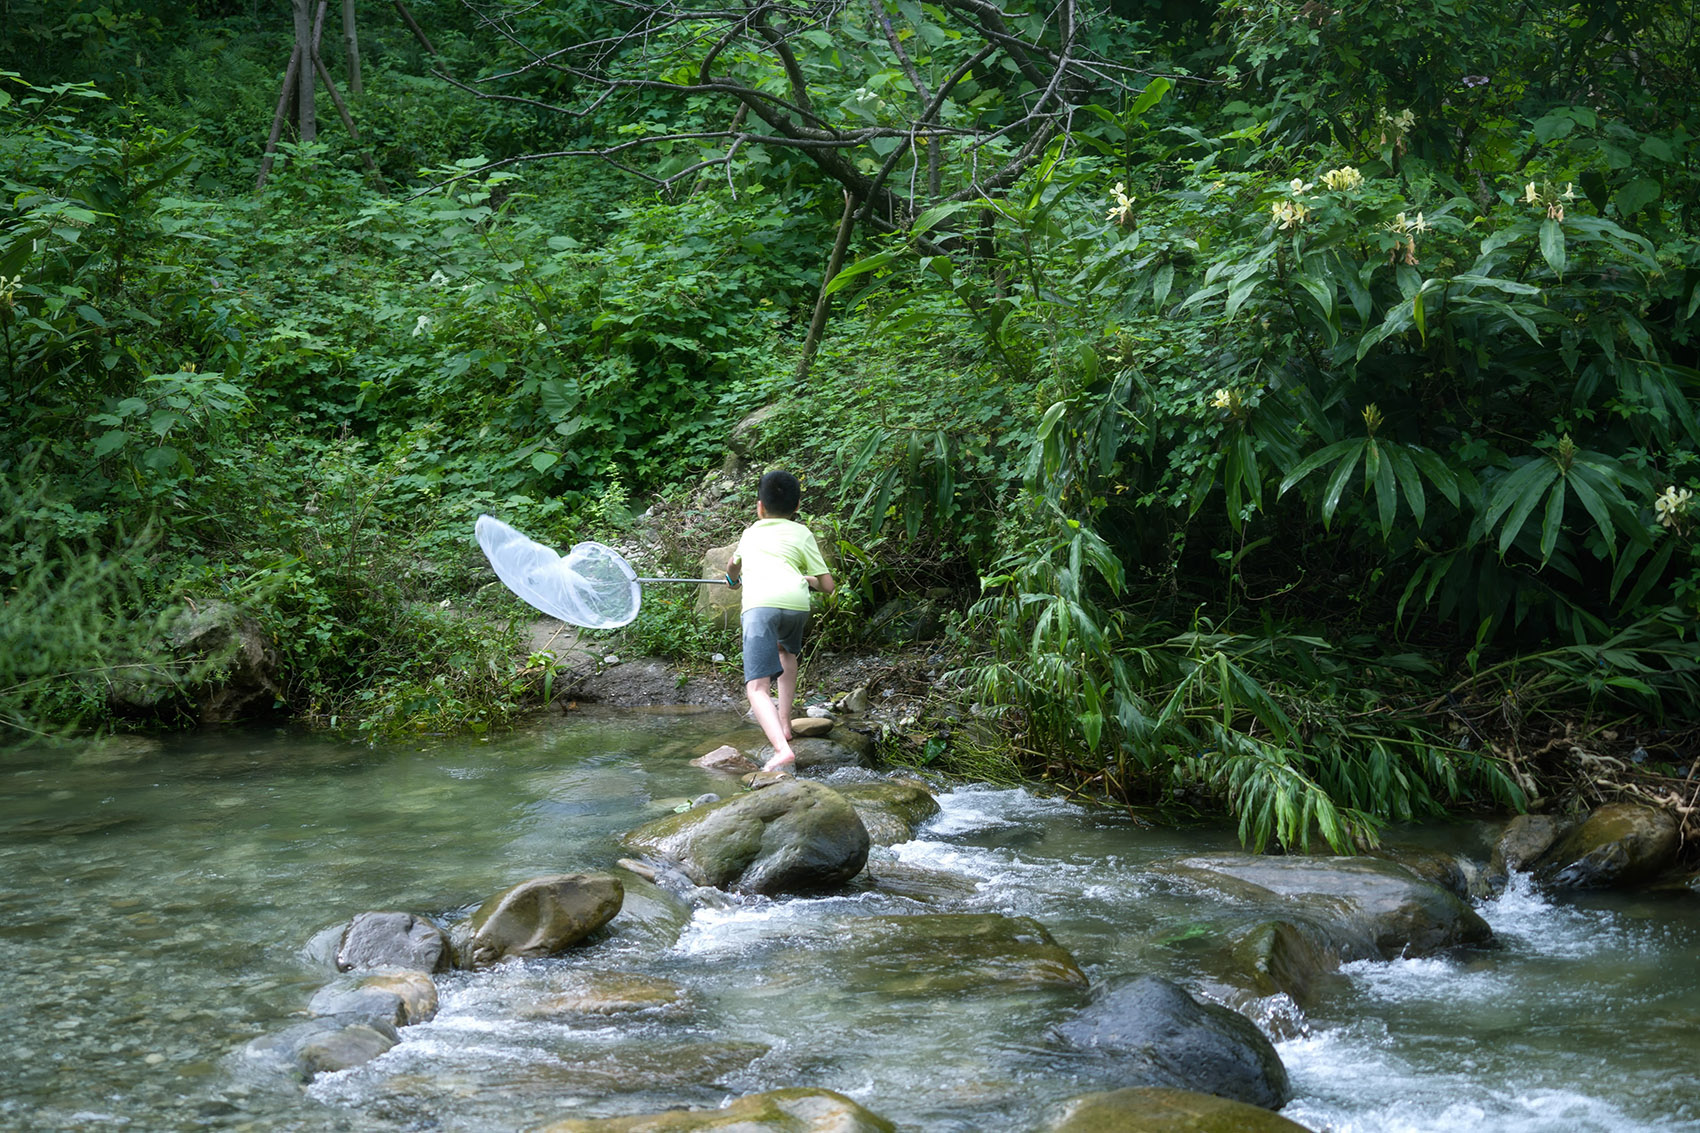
[712, 581]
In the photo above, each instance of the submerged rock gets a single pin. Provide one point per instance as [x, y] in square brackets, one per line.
[891, 810]
[398, 999]
[542, 916]
[1367, 907]
[1156, 1110]
[1284, 957]
[918, 883]
[321, 1046]
[392, 940]
[790, 1111]
[1155, 1034]
[611, 993]
[596, 1069]
[792, 837]
[1618, 844]
[931, 954]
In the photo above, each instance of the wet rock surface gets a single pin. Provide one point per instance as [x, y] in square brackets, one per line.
[1149, 1110]
[541, 916]
[929, 954]
[1368, 908]
[1618, 844]
[1151, 1032]
[778, 1111]
[392, 940]
[794, 836]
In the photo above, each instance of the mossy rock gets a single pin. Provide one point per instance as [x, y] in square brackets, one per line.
[778, 1111]
[1157, 1110]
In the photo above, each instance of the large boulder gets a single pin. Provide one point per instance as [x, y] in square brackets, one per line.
[1152, 1033]
[1156, 1110]
[392, 940]
[225, 667]
[891, 809]
[1368, 909]
[719, 605]
[1618, 844]
[778, 1111]
[794, 836]
[541, 917]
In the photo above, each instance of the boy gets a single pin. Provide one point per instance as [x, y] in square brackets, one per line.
[780, 561]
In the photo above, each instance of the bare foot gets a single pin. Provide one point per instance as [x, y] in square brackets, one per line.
[780, 763]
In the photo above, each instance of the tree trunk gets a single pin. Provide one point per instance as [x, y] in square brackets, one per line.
[817, 325]
[351, 43]
[306, 115]
[413, 26]
[279, 117]
[348, 123]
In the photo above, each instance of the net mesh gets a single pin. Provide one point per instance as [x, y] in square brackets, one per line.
[592, 586]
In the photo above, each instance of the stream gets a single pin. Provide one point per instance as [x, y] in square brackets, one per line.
[156, 904]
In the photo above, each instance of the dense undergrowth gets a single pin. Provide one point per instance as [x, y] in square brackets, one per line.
[1312, 436]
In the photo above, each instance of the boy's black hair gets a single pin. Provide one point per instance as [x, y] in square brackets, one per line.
[780, 493]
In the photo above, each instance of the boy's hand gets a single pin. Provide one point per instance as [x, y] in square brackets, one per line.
[734, 583]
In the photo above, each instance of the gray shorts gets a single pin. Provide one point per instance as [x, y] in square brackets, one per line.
[767, 629]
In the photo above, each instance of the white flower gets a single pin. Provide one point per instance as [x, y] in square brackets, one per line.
[438, 278]
[1346, 177]
[539, 329]
[1300, 186]
[1672, 506]
[1122, 213]
[422, 325]
[1288, 214]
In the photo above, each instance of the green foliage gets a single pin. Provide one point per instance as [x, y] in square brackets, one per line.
[73, 620]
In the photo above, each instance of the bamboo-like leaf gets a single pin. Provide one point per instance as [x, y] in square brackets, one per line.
[1337, 482]
[1521, 502]
[1316, 460]
[1161, 282]
[1251, 476]
[1587, 491]
[1535, 472]
[1435, 469]
[1552, 246]
[1323, 293]
[1052, 415]
[1386, 492]
[1553, 522]
[1409, 481]
[862, 267]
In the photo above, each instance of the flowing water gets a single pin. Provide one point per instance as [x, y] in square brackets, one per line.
[156, 907]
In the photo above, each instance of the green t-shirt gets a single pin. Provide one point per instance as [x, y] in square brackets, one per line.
[779, 557]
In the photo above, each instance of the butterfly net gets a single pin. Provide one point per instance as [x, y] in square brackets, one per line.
[592, 586]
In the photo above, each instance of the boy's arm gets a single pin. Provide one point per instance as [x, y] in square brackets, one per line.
[822, 582]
